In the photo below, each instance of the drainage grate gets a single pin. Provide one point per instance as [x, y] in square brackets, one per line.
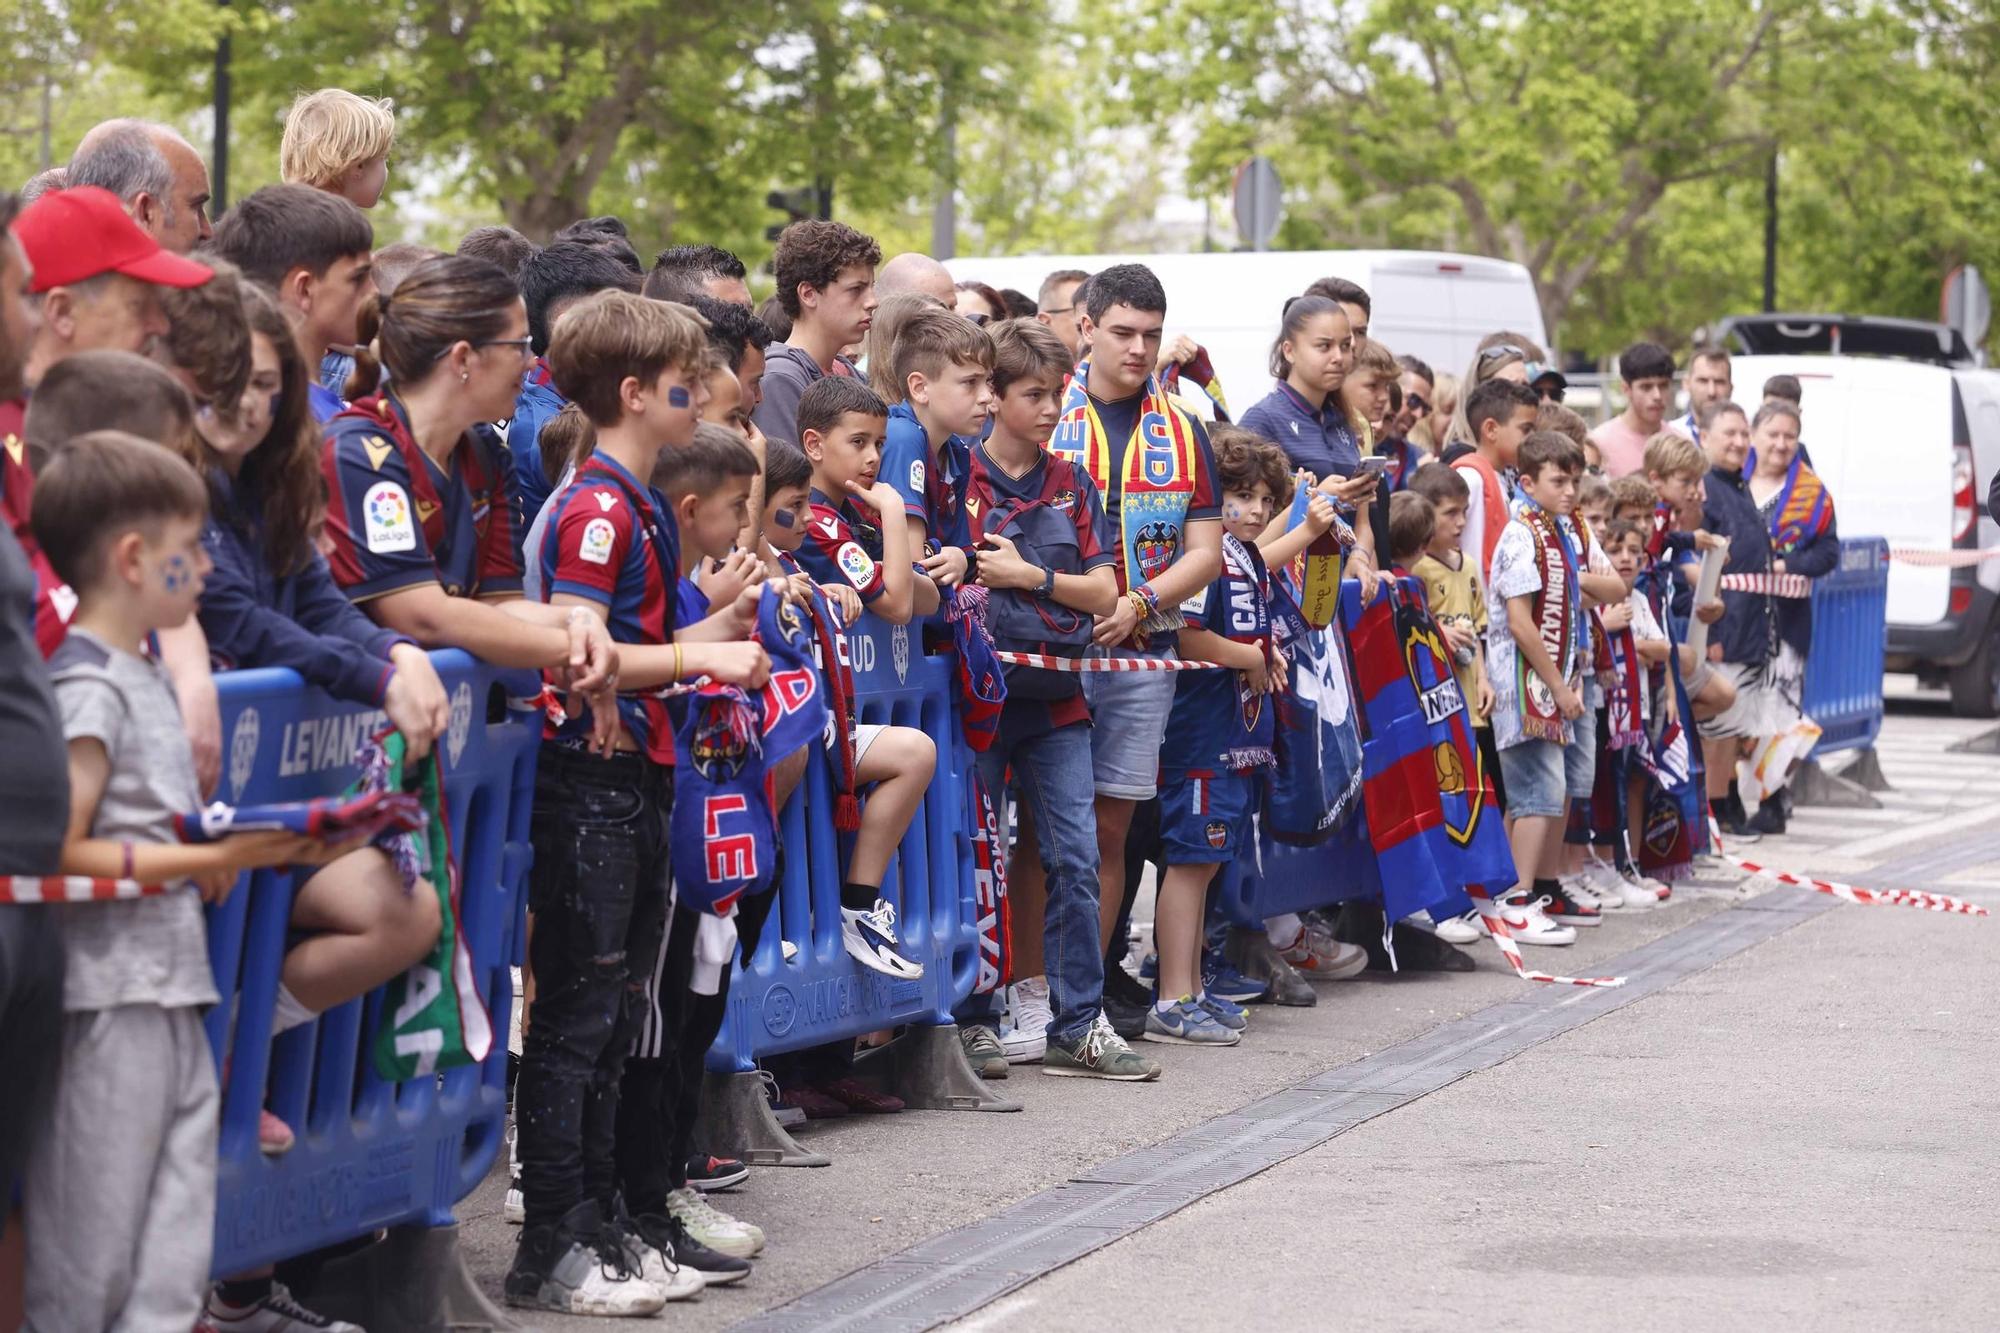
[951, 1275]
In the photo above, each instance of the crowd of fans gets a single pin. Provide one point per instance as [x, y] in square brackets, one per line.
[272, 444]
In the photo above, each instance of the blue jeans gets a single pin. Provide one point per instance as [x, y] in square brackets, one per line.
[1054, 783]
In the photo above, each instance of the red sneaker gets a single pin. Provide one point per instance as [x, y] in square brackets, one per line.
[858, 1096]
[816, 1104]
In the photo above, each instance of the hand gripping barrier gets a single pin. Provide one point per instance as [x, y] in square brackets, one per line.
[369, 1153]
[1843, 685]
[822, 995]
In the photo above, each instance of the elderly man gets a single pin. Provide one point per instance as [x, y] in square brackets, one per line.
[913, 272]
[155, 173]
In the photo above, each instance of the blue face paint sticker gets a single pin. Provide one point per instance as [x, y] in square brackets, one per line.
[783, 518]
[678, 397]
[176, 573]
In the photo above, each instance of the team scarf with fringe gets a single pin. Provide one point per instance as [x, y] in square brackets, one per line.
[1804, 509]
[1155, 486]
[1201, 370]
[1558, 612]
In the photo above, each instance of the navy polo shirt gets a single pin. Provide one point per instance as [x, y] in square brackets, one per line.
[1316, 440]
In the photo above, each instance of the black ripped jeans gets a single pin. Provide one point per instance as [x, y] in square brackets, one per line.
[599, 893]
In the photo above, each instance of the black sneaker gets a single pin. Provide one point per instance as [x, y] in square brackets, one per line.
[1564, 909]
[667, 1235]
[708, 1172]
[1120, 985]
[1770, 818]
[577, 1266]
[1127, 1020]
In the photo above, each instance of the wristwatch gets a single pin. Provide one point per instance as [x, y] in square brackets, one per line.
[1048, 585]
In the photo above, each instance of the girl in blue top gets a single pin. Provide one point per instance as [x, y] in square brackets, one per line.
[1303, 416]
[270, 602]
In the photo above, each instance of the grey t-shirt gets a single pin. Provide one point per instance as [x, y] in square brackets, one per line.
[146, 950]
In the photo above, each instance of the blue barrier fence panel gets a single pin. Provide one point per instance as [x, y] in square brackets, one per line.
[369, 1153]
[821, 994]
[1843, 684]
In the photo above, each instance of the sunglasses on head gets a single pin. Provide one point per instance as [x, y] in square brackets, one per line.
[1500, 351]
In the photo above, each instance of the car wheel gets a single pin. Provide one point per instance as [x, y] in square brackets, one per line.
[1975, 685]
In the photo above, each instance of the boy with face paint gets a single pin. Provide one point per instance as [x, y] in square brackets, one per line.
[123, 1194]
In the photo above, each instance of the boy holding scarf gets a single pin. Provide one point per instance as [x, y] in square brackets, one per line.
[1154, 467]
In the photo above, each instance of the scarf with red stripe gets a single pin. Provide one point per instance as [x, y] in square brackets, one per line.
[1155, 487]
[1558, 612]
[1202, 371]
[1804, 509]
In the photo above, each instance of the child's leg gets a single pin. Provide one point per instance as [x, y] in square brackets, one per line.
[1114, 824]
[1177, 929]
[366, 928]
[899, 763]
[1530, 837]
[1537, 792]
[1635, 818]
[122, 1193]
[1028, 895]
[1055, 783]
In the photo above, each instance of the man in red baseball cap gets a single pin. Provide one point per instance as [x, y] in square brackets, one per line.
[95, 271]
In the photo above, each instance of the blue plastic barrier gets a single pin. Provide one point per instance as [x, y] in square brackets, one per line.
[1843, 685]
[822, 994]
[369, 1153]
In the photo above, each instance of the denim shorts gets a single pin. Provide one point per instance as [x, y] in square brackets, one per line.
[1128, 716]
[1541, 775]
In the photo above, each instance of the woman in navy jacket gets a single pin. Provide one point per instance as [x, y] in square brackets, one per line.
[270, 602]
[1798, 514]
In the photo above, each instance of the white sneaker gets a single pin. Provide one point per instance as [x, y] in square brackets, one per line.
[514, 1211]
[1466, 929]
[1582, 891]
[870, 938]
[713, 1227]
[1612, 885]
[1026, 1036]
[657, 1266]
[276, 1313]
[1647, 884]
[1528, 925]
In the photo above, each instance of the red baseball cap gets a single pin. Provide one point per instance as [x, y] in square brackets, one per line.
[72, 235]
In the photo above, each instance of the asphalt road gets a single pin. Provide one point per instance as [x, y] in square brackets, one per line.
[1803, 1131]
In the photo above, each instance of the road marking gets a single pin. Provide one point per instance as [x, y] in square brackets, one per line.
[967, 1269]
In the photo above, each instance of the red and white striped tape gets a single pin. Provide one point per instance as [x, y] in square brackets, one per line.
[1773, 585]
[1084, 664]
[1929, 902]
[73, 889]
[1496, 925]
[1914, 555]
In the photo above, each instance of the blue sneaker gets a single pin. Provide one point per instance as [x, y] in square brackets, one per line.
[1232, 1016]
[1149, 969]
[1231, 985]
[1185, 1023]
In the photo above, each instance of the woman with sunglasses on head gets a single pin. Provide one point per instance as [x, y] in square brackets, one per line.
[980, 303]
[1304, 416]
[1500, 356]
[420, 497]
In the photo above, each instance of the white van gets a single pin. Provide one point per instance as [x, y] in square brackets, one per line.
[1430, 305]
[1909, 451]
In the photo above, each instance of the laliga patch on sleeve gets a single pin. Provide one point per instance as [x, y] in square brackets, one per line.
[598, 536]
[1197, 604]
[386, 525]
[917, 475]
[854, 563]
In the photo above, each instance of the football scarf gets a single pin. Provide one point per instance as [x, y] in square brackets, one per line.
[1558, 611]
[982, 683]
[1622, 701]
[1155, 488]
[1316, 787]
[720, 833]
[369, 815]
[1476, 851]
[1804, 510]
[1247, 614]
[1201, 371]
[1318, 572]
[989, 890]
[1399, 765]
[1673, 809]
[794, 707]
[433, 1017]
[837, 679]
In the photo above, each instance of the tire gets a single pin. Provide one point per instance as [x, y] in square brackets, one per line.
[1975, 685]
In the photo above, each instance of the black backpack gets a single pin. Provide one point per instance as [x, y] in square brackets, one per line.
[1021, 622]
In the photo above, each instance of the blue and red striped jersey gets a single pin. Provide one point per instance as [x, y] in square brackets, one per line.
[396, 520]
[840, 548]
[611, 540]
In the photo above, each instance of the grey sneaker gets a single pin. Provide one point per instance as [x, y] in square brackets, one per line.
[983, 1051]
[578, 1267]
[1101, 1053]
[1185, 1023]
